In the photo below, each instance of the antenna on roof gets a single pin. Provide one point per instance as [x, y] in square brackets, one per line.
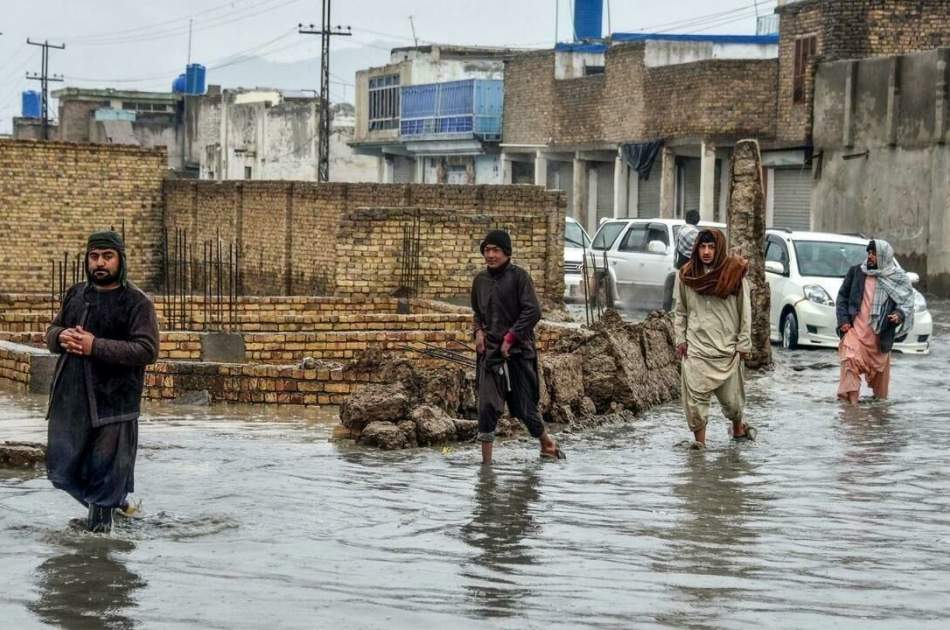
[412, 25]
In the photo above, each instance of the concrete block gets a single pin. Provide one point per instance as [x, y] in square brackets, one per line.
[221, 347]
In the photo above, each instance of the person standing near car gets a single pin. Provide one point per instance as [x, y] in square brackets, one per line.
[713, 330]
[875, 304]
[686, 239]
[506, 311]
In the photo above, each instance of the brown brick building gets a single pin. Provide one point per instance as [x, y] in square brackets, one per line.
[569, 111]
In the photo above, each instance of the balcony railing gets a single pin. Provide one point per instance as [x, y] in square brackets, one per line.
[454, 109]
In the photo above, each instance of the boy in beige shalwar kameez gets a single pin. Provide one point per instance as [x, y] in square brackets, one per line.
[713, 328]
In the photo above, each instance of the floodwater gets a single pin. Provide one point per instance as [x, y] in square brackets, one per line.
[836, 518]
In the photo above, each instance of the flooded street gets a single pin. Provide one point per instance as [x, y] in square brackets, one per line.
[835, 518]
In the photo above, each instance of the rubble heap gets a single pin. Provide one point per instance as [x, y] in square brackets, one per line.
[587, 376]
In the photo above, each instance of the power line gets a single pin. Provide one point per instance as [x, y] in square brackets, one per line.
[181, 31]
[44, 78]
[326, 32]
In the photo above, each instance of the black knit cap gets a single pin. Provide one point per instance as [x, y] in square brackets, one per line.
[109, 239]
[105, 240]
[498, 238]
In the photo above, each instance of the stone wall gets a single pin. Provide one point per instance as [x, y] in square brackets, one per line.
[883, 159]
[289, 232]
[15, 367]
[53, 194]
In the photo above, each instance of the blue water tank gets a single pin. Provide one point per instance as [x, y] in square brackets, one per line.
[180, 84]
[32, 104]
[588, 19]
[195, 79]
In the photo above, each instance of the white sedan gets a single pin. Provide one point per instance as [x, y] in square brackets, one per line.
[805, 271]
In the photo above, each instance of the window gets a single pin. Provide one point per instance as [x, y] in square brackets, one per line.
[575, 236]
[247, 172]
[658, 232]
[776, 251]
[607, 234]
[805, 50]
[384, 102]
[636, 238]
[592, 70]
[828, 260]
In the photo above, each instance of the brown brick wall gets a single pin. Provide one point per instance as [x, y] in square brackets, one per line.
[290, 231]
[530, 106]
[796, 21]
[448, 251]
[850, 29]
[718, 98]
[53, 194]
[631, 102]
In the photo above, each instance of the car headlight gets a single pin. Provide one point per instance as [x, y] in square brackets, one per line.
[920, 302]
[817, 294]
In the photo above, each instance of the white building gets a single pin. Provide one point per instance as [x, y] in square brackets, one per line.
[433, 115]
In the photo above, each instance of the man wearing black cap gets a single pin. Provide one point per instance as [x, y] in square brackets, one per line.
[506, 312]
[106, 332]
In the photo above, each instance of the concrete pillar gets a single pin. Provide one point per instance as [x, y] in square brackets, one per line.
[384, 173]
[620, 186]
[725, 181]
[505, 169]
[580, 190]
[540, 169]
[667, 183]
[420, 170]
[707, 181]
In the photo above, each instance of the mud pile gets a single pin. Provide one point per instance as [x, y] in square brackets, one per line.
[588, 376]
[22, 454]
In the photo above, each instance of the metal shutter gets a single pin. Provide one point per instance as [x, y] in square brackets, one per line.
[605, 191]
[792, 199]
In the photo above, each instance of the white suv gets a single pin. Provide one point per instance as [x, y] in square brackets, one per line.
[805, 271]
[576, 242]
[639, 254]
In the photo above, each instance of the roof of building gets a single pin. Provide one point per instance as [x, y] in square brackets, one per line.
[110, 93]
[460, 51]
[761, 40]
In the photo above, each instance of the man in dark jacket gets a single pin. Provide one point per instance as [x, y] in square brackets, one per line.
[106, 332]
[506, 312]
[875, 304]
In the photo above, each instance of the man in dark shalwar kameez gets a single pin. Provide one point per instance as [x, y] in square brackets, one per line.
[506, 312]
[106, 333]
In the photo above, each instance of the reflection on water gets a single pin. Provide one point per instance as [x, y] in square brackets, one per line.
[87, 585]
[501, 520]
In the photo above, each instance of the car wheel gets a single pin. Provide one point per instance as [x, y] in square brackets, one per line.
[790, 331]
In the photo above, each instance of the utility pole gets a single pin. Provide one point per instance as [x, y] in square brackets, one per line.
[326, 32]
[44, 78]
[412, 26]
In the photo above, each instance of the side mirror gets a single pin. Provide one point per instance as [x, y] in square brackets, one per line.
[775, 267]
[656, 247]
[913, 277]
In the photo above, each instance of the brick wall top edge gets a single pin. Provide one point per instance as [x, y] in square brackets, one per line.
[158, 152]
[796, 7]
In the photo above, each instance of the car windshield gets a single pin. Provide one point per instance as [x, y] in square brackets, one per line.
[607, 234]
[575, 236]
[828, 260]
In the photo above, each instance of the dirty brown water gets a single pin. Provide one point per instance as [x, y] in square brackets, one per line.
[253, 518]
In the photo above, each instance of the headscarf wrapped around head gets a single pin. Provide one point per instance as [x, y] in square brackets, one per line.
[725, 273]
[893, 283]
[108, 239]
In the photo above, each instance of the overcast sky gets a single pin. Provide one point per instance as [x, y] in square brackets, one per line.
[144, 45]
